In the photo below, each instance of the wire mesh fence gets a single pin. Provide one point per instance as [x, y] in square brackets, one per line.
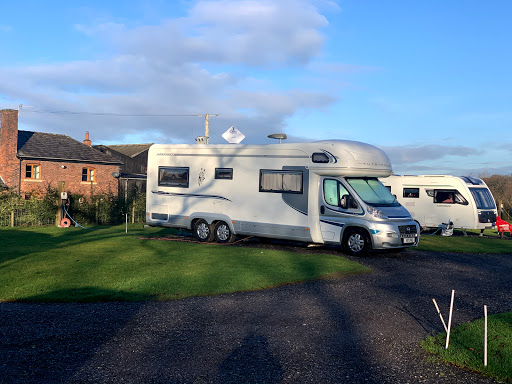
[23, 218]
[96, 215]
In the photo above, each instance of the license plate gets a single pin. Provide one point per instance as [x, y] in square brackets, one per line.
[408, 240]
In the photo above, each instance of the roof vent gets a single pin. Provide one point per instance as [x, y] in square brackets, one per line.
[280, 136]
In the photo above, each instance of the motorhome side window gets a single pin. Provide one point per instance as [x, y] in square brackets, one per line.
[173, 176]
[280, 181]
[337, 195]
[449, 196]
[319, 157]
[224, 173]
[412, 192]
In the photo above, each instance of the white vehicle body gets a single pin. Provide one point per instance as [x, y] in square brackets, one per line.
[434, 200]
[310, 192]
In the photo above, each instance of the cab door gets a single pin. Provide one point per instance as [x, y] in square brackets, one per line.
[337, 208]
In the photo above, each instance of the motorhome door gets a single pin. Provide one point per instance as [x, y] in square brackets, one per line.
[337, 207]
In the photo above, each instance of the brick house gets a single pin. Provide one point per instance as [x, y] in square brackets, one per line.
[32, 161]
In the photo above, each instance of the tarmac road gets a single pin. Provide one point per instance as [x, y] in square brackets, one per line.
[357, 329]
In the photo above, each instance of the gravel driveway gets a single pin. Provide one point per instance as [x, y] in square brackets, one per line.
[357, 329]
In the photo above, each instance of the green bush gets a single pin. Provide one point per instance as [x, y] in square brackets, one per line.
[104, 208]
[37, 210]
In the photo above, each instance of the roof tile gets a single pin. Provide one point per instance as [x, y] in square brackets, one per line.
[39, 145]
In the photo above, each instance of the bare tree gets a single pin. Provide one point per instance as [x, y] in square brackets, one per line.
[501, 188]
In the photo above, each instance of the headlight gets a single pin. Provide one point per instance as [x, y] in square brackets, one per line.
[377, 213]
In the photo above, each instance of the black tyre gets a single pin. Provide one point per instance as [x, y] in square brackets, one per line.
[222, 233]
[203, 231]
[356, 242]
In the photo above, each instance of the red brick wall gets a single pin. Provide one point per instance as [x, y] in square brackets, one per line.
[9, 164]
[51, 173]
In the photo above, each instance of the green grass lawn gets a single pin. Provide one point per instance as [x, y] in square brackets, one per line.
[470, 244]
[466, 347]
[51, 264]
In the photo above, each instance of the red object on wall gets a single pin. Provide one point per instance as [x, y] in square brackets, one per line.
[502, 225]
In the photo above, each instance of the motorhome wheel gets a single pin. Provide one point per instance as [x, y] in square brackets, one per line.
[356, 242]
[203, 231]
[222, 233]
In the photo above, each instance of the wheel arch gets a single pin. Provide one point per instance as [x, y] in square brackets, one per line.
[211, 219]
[348, 228]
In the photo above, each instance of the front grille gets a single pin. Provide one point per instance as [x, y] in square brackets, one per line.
[487, 217]
[407, 230]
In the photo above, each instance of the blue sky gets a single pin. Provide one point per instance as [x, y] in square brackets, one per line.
[428, 82]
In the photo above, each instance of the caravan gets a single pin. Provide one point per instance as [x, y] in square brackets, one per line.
[325, 192]
[434, 200]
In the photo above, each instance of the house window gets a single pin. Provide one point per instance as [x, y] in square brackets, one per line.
[32, 171]
[173, 176]
[224, 173]
[88, 175]
[280, 181]
[412, 192]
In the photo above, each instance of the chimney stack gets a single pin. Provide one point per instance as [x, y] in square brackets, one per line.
[87, 141]
[9, 164]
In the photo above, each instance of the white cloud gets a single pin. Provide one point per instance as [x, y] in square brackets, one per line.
[505, 146]
[411, 155]
[445, 159]
[249, 32]
[181, 66]
[260, 32]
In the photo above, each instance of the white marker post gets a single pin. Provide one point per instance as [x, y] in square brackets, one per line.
[441, 316]
[449, 321]
[485, 336]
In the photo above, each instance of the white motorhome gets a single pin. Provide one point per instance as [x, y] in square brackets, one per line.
[325, 192]
[434, 200]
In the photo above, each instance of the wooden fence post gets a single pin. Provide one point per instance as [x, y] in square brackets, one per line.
[133, 213]
[12, 218]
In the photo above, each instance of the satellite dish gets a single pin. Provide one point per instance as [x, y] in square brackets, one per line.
[280, 136]
[233, 136]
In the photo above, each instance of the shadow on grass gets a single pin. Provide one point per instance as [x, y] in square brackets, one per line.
[17, 243]
[85, 295]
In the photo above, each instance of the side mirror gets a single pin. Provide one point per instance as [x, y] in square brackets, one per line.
[344, 202]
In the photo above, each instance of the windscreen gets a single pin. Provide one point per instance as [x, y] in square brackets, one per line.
[373, 192]
[483, 198]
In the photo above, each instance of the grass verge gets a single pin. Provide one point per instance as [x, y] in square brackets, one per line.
[467, 346]
[49, 264]
[471, 244]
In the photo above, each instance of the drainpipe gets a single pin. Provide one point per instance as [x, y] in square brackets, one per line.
[19, 180]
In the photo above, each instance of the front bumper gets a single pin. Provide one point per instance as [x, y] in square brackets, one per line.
[388, 236]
